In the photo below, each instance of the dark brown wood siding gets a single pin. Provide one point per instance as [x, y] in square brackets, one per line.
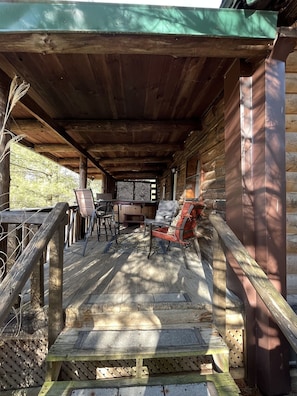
[291, 171]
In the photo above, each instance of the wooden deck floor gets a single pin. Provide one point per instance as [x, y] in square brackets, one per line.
[125, 273]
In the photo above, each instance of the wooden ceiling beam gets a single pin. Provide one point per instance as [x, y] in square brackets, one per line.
[133, 160]
[283, 46]
[135, 148]
[114, 126]
[135, 175]
[54, 148]
[44, 118]
[68, 161]
[130, 126]
[37, 112]
[91, 171]
[82, 43]
[135, 168]
[105, 148]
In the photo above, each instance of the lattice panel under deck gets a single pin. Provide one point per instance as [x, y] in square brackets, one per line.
[126, 368]
[234, 340]
[22, 362]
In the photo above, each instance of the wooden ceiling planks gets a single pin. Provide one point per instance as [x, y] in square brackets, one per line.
[60, 89]
[114, 77]
[123, 97]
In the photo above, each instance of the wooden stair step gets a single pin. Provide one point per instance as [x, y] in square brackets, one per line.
[136, 311]
[100, 345]
[121, 317]
[141, 299]
[216, 384]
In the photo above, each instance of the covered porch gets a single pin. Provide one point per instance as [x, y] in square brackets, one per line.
[122, 292]
[181, 96]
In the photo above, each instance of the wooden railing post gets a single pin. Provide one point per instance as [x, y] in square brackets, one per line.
[71, 228]
[37, 284]
[55, 314]
[37, 281]
[219, 285]
[51, 227]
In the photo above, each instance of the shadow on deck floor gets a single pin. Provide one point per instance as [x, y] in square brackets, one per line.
[126, 270]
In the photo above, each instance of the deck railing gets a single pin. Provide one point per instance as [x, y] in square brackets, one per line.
[49, 238]
[225, 241]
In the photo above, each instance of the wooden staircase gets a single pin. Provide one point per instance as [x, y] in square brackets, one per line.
[141, 328]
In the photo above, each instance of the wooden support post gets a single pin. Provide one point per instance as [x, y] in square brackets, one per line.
[83, 175]
[18, 241]
[52, 371]
[255, 208]
[236, 193]
[139, 366]
[55, 314]
[269, 174]
[37, 284]
[109, 185]
[83, 169]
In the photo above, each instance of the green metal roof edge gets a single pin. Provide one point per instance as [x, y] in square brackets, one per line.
[104, 18]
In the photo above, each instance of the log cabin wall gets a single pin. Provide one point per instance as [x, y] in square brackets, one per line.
[209, 146]
[291, 171]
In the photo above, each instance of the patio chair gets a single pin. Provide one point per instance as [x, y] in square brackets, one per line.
[106, 219]
[101, 216]
[182, 230]
[87, 209]
[164, 215]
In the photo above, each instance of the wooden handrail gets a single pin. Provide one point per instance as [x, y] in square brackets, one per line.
[51, 231]
[21, 216]
[280, 310]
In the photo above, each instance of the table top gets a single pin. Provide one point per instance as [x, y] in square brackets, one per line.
[127, 201]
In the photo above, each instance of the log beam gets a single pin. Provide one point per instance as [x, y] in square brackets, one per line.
[135, 175]
[103, 148]
[54, 148]
[108, 126]
[129, 126]
[135, 148]
[133, 160]
[136, 167]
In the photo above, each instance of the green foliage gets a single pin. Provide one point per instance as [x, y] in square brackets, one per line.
[38, 182]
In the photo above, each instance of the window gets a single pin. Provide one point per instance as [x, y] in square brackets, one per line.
[192, 189]
[137, 190]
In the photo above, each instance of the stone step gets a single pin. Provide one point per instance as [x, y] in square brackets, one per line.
[176, 385]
